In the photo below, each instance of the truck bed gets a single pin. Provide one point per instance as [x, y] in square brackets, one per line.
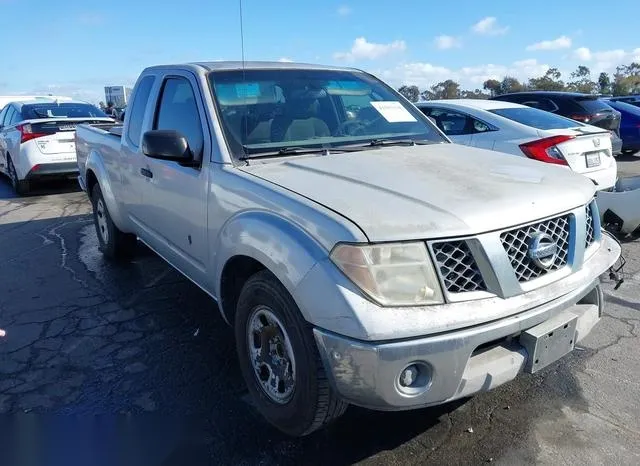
[101, 138]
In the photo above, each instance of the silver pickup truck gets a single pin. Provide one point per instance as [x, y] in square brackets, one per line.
[360, 256]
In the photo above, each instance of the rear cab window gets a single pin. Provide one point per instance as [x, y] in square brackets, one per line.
[61, 110]
[593, 105]
[535, 118]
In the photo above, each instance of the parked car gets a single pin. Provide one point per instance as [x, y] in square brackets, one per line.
[629, 125]
[525, 131]
[628, 99]
[359, 255]
[37, 139]
[7, 99]
[585, 108]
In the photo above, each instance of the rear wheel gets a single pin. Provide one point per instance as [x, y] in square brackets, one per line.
[21, 187]
[280, 361]
[113, 243]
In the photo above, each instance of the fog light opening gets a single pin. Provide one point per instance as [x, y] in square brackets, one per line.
[414, 379]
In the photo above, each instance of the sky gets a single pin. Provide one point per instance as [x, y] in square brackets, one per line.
[75, 47]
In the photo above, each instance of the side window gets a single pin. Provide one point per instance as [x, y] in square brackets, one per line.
[15, 118]
[9, 116]
[135, 116]
[533, 103]
[453, 123]
[178, 110]
[3, 113]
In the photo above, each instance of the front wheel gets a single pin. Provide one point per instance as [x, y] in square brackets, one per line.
[280, 361]
[113, 243]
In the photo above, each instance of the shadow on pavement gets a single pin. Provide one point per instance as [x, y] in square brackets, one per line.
[42, 188]
[136, 360]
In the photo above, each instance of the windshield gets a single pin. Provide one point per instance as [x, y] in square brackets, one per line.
[266, 111]
[61, 110]
[536, 118]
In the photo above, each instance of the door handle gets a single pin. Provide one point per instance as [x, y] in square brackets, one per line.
[146, 172]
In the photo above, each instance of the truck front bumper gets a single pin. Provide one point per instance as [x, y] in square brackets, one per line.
[460, 363]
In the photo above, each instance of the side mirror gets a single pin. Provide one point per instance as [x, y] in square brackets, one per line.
[167, 144]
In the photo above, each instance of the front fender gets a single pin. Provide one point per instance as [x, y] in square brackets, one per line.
[96, 165]
[281, 246]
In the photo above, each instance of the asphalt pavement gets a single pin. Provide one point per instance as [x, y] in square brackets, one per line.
[131, 364]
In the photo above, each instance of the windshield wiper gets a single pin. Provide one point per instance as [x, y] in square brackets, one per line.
[298, 151]
[399, 142]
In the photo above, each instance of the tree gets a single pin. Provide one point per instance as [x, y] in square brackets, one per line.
[549, 82]
[626, 79]
[412, 93]
[493, 86]
[448, 89]
[604, 83]
[476, 94]
[582, 81]
[510, 84]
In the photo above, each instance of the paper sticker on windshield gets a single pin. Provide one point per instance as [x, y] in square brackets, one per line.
[393, 111]
[247, 90]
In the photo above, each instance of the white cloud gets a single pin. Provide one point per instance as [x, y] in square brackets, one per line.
[489, 27]
[582, 53]
[562, 42]
[285, 60]
[425, 75]
[606, 60]
[363, 50]
[344, 10]
[447, 42]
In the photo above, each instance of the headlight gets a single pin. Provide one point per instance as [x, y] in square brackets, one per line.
[399, 274]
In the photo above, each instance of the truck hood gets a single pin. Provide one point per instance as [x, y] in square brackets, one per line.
[427, 192]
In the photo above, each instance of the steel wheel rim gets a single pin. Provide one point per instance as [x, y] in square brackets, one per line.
[274, 368]
[101, 218]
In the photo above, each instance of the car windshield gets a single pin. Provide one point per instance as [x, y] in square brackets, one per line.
[293, 110]
[60, 110]
[536, 118]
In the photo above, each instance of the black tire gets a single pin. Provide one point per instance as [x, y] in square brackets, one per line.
[313, 403]
[21, 187]
[113, 243]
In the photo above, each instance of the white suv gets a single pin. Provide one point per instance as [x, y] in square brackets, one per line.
[37, 139]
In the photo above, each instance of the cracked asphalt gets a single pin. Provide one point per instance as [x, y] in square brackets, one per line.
[131, 364]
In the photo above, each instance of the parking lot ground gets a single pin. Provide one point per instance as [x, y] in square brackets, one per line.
[131, 364]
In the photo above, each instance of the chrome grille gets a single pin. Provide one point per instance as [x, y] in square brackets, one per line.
[516, 243]
[590, 229]
[458, 267]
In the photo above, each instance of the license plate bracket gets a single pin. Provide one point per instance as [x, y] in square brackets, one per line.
[549, 341]
[593, 159]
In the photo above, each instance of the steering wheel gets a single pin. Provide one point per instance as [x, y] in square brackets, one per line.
[351, 128]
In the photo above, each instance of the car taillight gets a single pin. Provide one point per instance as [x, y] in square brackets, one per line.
[27, 133]
[582, 118]
[545, 150]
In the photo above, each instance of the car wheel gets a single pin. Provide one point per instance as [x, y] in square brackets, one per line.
[279, 359]
[113, 243]
[21, 187]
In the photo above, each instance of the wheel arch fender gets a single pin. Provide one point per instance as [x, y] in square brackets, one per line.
[95, 172]
[267, 241]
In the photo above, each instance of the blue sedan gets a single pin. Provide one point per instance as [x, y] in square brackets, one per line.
[629, 126]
